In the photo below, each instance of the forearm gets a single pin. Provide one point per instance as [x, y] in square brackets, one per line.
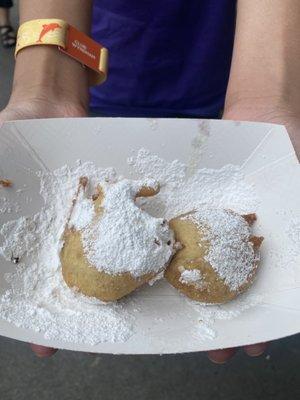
[266, 60]
[43, 71]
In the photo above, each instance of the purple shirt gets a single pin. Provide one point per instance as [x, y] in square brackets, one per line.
[168, 58]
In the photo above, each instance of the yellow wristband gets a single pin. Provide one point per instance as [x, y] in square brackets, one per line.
[69, 40]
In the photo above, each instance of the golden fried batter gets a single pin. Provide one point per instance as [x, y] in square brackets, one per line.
[202, 282]
[78, 273]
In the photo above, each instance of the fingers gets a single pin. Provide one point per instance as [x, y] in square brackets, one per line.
[42, 351]
[255, 350]
[221, 356]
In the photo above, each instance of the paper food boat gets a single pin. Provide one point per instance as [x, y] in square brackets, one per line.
[267, 159]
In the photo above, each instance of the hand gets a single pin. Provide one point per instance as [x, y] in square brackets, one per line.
[40, 108]
[256, 111]
[222, 356]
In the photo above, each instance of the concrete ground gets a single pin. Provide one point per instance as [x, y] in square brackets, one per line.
[76, 376]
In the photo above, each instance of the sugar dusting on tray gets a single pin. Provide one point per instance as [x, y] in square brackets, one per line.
[208, 315]
[37, 297]
[180, 193]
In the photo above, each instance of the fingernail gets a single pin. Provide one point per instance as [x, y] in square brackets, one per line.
[45, 354]
[217, 361]
[255, 353]
[256, 349]
[221, 356]
[41, 351]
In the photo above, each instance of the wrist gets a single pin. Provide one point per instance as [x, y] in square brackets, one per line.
[44, 73]
[265, 108]
[259, 110]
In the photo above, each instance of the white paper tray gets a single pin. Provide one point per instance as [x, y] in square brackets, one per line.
[267, 158]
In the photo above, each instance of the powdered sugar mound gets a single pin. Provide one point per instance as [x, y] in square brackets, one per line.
[44, 303]
[152, 166]
[21, 237]
[127, 238]
[83, 212]
[180, 193]
[191, 277]
[230, 253]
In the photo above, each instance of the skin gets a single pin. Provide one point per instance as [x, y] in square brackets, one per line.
[264, 82]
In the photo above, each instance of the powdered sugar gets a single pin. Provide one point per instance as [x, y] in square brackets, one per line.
[128, 239]
[181, 193]
[293, 232]
[7, 207]
[83, 212]
[230, 252]
[191, 277]
[208, 315]
[151, 166]
[37, 297]
[157, 278]
[40, 300]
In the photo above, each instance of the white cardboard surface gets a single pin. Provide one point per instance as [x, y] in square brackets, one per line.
[167, 321]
